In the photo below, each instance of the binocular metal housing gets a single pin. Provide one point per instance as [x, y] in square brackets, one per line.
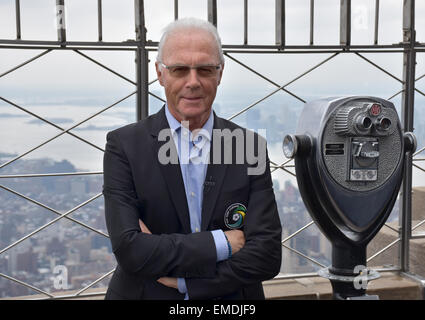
[349, 157]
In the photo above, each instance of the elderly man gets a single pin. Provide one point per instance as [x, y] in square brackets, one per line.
[187, 221]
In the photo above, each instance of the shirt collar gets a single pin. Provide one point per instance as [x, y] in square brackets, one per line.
[176, 125]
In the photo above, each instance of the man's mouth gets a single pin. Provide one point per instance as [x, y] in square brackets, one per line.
[192, 99]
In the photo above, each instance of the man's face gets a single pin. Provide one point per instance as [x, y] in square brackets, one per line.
[190, 96]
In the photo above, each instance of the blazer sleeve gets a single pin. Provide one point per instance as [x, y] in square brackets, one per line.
[260, 258]
[147, 255]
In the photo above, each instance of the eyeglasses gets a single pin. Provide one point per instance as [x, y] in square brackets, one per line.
[181, 70]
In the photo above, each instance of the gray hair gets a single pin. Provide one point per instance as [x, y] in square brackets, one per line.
[189, 24]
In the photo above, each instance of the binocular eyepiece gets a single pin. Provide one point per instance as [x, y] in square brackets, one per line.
[365, 119]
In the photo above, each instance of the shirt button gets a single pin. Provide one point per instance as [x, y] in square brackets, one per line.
[192, 194]
[197, 229]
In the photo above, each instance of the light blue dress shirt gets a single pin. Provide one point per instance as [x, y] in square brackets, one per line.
[193, 151]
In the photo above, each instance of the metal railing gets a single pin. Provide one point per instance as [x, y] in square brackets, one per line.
[142, 47]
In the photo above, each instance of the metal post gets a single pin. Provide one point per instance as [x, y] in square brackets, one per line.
[409, 61]
[311, 22]
[212, 12]
[99, 19]
[245, 22]
[60, 20]
[375, 41]
[176, 9]
[18, 19]
[345, 23]
[280, 22]
[142, 63]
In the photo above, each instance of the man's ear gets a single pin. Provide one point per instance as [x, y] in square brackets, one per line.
[159, 73]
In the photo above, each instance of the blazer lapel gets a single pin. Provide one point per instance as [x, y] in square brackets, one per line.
[213, 180]
[171, 172]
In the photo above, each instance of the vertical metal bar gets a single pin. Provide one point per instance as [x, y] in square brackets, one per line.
[280, 22]
[345, 23]
[142, 63]
[99, 19]
[375, 41]
[311, 22]
[18, 19]
[245, 22]
[176, 9]
[212, 12]
[409, 60]
[60, 20]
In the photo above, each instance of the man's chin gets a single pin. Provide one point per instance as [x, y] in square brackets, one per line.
[192, 111]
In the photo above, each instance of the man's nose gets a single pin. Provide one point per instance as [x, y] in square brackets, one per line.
[193, 79]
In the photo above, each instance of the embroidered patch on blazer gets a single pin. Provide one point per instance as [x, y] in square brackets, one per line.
[234, 216]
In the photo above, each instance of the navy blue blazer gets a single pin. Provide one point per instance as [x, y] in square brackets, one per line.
[137, 186]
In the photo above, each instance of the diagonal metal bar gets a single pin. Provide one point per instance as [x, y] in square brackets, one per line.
[396, 94]
[284, 163]
[419, 91]
[66, 131]
[26, 62]
[53, 210]
[380, 68]
[420, 168]
[278, 166]
[418, 225]
[283, 86]
[287, 171]
[94, 282]
[297, 232]
[282, 168]
[64, 215]
[104, 67]
[50, 123]
[26, 285]
[392, 228]
[420, 77]
[419, 151]
[263, 77]
[155, 96]
[155, 80]
[304, 256]
[383, 249]
[274, 166]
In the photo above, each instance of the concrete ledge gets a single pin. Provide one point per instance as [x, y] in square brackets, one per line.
[390, 286]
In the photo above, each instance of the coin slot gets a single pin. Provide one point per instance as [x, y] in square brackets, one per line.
[334, 149]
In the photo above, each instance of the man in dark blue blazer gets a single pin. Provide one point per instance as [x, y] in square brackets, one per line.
[189, 200]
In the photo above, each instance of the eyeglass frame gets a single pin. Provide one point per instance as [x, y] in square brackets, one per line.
[217, 67]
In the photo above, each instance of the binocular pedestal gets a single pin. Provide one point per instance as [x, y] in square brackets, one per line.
[348, 274]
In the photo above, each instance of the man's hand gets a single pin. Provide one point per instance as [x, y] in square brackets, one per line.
[166, 281]
[169, 282]
[143, 227]
[236, 239]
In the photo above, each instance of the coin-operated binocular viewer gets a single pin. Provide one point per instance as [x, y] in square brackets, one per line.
[349, 156]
